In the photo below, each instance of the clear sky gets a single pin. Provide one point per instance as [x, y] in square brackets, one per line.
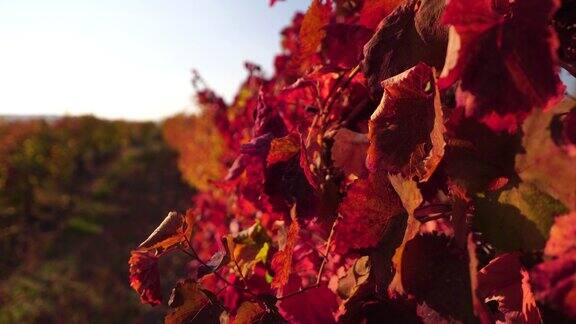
[130, 58]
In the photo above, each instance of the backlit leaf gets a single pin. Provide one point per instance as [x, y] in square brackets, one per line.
[145, 277]
[505, 58]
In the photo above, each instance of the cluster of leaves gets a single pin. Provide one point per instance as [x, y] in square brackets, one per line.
[405, 162]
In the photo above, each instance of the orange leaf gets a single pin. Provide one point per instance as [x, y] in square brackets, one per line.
[312, 31]
[283, 148]
[282, 261]
[169, 233]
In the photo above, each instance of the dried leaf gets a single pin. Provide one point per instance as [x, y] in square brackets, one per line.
[169, 233]
[406, 130]
[190, 304]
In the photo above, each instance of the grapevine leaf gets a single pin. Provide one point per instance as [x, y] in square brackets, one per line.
[477, 158]
[315, 305]
[436, 272]
[286, 185]
[282, 260]
[406, 130]
[349, 152]
[517, 219]
[367, 211]
[145, 277]
[169, 233]
[343, 43]
[354, 278]
[189, 303]
[312, 31]
[373, 11]
[399, 45]
[507, 49]
[544, 163]
[252, 312]
[248, 248]
[283, 148]
[554, 281]
[411, 198]
[506, 281]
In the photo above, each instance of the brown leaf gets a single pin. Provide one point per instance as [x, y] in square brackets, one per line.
[253, 312]
[169, 233]
[367, 211]
[407, 36]
[506, 281]
[406, 130]
[190, 304]
[349, 152]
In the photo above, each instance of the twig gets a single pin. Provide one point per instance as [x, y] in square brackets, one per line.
[239, 270]
[334, 93]
[332, 99]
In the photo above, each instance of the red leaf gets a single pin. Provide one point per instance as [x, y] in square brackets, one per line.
[316, 305]
[435, 271]
[367, 211]
[282, 261]
[283, 148]
[407, 36]
[343, 43]
[145, 277]
[506, 281]
[312, 31]
[406, 130]
[373, 11]
[505, 58]
[555, 280]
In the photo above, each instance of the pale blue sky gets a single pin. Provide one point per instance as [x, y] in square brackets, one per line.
[130, 58]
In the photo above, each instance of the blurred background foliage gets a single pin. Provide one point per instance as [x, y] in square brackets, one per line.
[76, 194]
